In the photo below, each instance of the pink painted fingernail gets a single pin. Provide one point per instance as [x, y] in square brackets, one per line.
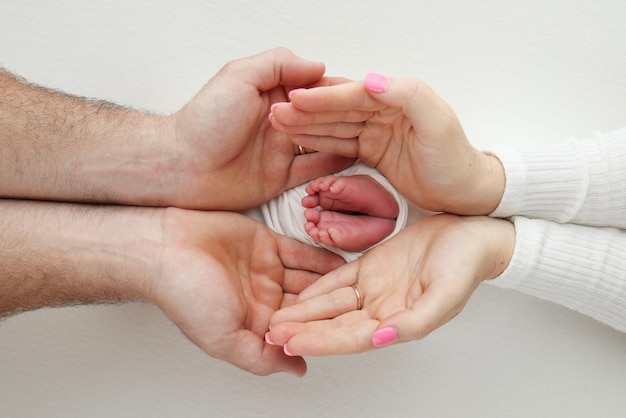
[286, 350]
[268, 340]
[384, 336]
[293, 91]
[376, 82]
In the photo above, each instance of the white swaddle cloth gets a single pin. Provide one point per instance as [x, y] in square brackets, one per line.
[285, 213]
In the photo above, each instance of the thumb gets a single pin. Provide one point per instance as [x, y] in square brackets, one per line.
[429, 312]
[278, 66]
[249, 352]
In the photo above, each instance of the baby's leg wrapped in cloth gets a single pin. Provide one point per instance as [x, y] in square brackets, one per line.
[348, 217]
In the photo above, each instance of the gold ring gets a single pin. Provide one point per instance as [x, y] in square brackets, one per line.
[301, 150]
[359, 300]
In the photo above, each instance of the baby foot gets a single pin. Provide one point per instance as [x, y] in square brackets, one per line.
[348, 232]
[355, 213]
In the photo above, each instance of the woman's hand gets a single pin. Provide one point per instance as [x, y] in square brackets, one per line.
[410, 285]
[402, 128]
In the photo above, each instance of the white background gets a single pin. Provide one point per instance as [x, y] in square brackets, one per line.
[517, 72]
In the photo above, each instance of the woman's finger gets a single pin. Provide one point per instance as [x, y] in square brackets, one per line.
[347, 339]
[289, 115]
[346, 96]
[325, 306]
[335, 129]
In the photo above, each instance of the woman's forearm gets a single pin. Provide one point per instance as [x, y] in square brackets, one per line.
[581, 181]
[576, 266]
[54, 146]
[54, 254]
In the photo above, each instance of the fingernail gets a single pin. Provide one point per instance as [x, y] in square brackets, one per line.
[384, 336]
[268, 340]
[286, 350]
[376, 82]
[293, 91]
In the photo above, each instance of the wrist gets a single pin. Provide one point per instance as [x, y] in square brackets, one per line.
[478, 186]
[489, 181]
[501, 244]
[136, 167]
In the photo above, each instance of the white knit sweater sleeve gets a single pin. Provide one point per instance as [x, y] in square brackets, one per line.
[580, 181]
[581, 267]
[572, 252]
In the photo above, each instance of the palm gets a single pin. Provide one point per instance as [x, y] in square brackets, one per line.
[235, 279]
[424, 272]
[415, 154]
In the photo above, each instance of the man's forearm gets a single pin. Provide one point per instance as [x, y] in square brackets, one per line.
[54, 254]
[54, 146]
